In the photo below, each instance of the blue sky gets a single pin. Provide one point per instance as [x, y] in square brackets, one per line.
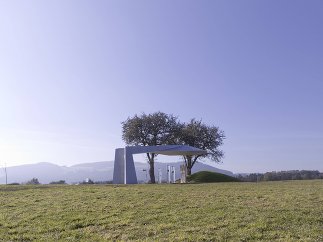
[72, 71]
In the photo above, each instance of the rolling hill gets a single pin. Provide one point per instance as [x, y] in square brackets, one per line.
[97, 171]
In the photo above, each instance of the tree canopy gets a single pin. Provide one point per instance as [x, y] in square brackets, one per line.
[202, 136]
[164, 129]
[149, 130]
[33, 181]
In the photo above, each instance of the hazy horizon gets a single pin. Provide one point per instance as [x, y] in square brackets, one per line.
[213, 164]
[71, 72]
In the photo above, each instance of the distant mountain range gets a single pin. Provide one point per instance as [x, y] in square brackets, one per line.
[96, 171]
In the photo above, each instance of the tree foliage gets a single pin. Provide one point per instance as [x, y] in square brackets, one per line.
[33, 181]
[163, 129]
[87, 181]
[60, 182]
[150, 130]
[282, 175]
[202, 136]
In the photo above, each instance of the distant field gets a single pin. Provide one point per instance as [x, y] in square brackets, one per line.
[285, 211]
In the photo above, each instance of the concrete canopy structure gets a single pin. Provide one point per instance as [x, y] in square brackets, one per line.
[124, 167]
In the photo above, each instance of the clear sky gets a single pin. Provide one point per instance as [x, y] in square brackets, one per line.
[72, 71]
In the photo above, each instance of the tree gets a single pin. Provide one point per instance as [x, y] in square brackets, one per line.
[202, 136]
[150, 130]
[58, 182]
[88, 181]
[33, 181]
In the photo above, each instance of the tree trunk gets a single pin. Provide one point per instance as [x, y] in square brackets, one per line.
[151, 159]
[189, 171]
[189, 165]
[152, 171]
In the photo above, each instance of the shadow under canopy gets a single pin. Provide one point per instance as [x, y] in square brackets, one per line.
[124, 168]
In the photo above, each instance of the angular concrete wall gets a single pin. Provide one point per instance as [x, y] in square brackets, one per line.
[119, 167]
[124, 168]
[130, 171]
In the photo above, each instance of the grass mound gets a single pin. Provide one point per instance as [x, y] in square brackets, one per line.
[208, 176]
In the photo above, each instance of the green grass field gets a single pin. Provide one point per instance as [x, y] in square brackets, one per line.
[284, 211]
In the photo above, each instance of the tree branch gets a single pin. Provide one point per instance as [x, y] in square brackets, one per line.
[195, 159]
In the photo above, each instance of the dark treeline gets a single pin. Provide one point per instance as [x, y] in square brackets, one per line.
[282, 175]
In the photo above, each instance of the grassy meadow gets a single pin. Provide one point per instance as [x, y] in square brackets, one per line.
[268, 211]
